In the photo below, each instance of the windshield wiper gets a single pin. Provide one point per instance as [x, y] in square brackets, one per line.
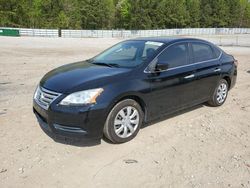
[102, 64]
[106, 64]
[114, 65]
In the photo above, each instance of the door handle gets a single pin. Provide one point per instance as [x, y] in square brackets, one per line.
[217, 70]
[189, 76]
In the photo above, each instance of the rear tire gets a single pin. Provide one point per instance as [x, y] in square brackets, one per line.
[220, 94]
[124, 121]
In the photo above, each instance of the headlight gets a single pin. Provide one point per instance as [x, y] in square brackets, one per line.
[82, 97]
[36, 93]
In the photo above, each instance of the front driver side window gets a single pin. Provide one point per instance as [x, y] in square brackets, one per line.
[175, 55]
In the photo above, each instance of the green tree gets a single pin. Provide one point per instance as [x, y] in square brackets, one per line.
[139, 17]
[70, 15]
[124, 14]
[220, 13]
[194, 13]
[234, 15]
[244, 19]
[96, 14]
[175, 13]
[207, 14]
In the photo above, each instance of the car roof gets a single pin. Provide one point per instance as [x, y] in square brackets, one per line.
[167, 40]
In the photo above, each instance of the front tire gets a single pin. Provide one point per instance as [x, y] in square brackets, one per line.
[220, 94]
[124, 121]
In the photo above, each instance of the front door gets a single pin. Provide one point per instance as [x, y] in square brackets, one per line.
[173, 88]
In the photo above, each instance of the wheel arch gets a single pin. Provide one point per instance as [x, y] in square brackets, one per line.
[135, 97]
[228, 79]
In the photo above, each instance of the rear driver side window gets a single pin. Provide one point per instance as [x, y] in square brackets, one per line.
[202, 52]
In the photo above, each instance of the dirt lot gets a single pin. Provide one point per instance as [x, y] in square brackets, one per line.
[203, 147]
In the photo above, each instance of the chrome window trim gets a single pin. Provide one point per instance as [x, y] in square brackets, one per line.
[145, 70]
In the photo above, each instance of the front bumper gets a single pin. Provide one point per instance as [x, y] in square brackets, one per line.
[83, 122]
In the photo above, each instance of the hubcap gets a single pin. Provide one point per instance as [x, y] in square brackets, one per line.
[221, 93]
[126, 122]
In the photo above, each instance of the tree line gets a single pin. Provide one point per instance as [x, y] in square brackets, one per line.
[124, 14]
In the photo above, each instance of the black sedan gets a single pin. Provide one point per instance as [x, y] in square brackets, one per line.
[133, 82]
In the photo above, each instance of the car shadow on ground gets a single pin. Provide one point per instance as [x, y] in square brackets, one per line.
[73, 141]
[172, 115]
[80, 142]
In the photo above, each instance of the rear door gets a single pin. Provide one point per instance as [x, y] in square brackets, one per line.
[174, 88]
[208, 69]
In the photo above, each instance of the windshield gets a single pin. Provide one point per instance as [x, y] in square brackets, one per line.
[127, 54]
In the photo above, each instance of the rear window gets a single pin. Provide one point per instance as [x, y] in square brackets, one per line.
[202, 52]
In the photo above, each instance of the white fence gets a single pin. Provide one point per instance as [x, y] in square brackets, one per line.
[39, 32]
[148, 33]
[219, 36]
[129, 33]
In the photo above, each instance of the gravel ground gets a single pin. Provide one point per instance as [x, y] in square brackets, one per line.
[201, 147]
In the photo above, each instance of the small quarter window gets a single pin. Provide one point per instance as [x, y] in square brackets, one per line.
[202, 52]
[150, 49]
[217, 51]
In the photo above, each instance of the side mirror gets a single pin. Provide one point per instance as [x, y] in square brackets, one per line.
[161, 67]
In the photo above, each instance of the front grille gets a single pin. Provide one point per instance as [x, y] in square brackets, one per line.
[44, 97]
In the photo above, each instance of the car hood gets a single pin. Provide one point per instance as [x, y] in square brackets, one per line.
[79, 76]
